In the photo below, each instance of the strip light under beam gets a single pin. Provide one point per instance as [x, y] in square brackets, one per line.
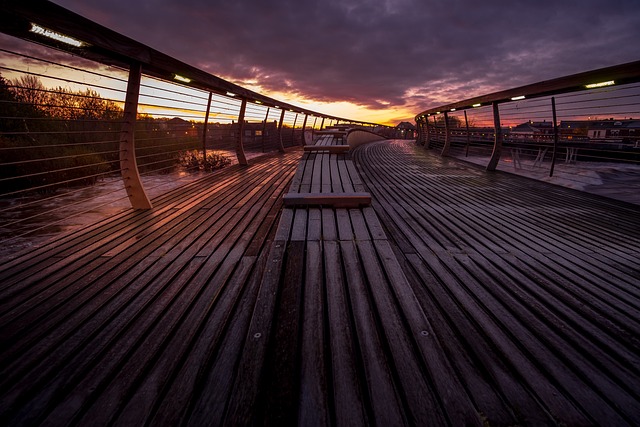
[180, 78]
[601, 84]
[41, 31]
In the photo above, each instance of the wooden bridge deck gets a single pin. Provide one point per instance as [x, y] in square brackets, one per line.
[457, 297]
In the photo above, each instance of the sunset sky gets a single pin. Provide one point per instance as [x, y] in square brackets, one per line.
[379, 60]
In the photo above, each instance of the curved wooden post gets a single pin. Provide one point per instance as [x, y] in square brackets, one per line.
[281, 148]
[313, 128]
[447, 136]
[264, 127]
[497, 145]
[293, 130]
[242, 159]
[466, 125]
[204, 128]
[427, 140]
[304, 128]
[128, 165]
[555, 135]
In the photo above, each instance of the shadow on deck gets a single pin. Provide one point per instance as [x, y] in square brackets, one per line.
[457, 297]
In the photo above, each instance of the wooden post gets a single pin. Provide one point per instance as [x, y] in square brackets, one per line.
[435, 128]
[264, 127]
[555, 136]
[293, 129]
[128, 165]
[322, 124]
[466, 125]
[204, 129]
[313, 128]
[427, 140]
[281, 148]
[242, 159]
[447, 136]
[304, 128]
[497, 146]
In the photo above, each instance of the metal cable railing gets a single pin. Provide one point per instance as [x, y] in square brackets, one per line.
[571, 130]
[69, 116]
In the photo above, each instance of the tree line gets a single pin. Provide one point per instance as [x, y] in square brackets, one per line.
[55, 137]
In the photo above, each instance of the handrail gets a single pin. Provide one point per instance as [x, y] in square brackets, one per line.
[53, 26]
[585, 118]
[108, 47]
[619, 74]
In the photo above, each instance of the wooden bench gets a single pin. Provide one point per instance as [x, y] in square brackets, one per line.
[333, 149]
[335, 200]
[334, 303]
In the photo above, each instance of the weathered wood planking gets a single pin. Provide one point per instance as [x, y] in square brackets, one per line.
[353, 354]
[530, 287]
[456, 298]
[109, 333]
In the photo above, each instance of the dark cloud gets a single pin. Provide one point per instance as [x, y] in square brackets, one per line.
[382, 54]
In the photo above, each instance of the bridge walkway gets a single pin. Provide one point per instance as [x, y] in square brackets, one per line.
[456, 297]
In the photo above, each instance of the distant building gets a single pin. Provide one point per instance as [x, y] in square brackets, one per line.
[532, 131]
[622, 131]
[406, 130]
[177, 127]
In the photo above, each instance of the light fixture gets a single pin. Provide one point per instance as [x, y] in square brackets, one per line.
[476, 105]
[517, 98]
[231, 94]
[37, 29]
[180, 78]
[453, 109]
[601, 84]
[258, 102]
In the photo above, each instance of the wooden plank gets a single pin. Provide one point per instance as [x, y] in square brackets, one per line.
[345, 178]
[314, 225]
[314, 406]
[216, 378]
[385, 404]
[245, 390]
[329, 230]
[342, 200]
[299, 228]
[280, 389]
[336, 182]
[325, 183]
[316, 177]
[348, 395]
[423, 405]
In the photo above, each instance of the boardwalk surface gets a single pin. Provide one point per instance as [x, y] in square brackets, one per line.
[457, 297]
[533, 290]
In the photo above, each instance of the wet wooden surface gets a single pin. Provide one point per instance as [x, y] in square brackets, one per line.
[457, 298]
[533, 290]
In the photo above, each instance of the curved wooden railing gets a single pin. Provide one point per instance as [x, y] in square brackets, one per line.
[590, 117]
[50, 25]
